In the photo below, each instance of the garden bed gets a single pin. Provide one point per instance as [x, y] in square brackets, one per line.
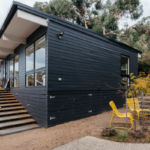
[129, 136]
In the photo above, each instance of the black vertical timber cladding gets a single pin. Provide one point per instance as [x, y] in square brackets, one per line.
[83, 74]
[34, 99]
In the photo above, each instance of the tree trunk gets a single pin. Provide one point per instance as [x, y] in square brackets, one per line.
[104, 31]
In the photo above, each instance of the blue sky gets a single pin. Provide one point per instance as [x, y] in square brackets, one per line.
[6, 4]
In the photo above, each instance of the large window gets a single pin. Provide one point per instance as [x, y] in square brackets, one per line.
[2, 74]
[30, 80]
[16, 71]
[11, 73]
[40, 53]
[30, 58]
[35, 63]
[125, 69]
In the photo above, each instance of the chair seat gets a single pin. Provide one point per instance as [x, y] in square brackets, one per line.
[145, 110]
[120, 115]
[124, 115]
[139, 110]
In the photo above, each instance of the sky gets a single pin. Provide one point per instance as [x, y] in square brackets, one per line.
[6, 4]
[146, 12]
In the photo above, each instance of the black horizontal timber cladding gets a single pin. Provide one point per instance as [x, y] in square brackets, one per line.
[65, 106]
[83, 74]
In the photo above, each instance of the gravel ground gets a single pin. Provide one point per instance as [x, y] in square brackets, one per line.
[47, 139]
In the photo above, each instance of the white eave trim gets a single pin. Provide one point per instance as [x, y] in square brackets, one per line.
[32, 18]
[22, 25]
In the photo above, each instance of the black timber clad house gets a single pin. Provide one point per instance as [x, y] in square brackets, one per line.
[60, 71]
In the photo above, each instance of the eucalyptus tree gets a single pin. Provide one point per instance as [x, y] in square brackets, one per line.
[102, 16]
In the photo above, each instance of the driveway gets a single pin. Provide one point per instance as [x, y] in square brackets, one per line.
[93, 143]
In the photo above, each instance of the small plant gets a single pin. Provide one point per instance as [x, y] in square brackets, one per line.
[108, 132]
[123, 135]
[147, 140]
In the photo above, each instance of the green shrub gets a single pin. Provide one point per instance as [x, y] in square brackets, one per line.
[148, 140]
[122, 136]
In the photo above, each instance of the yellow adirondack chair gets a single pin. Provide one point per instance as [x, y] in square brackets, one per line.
[134, 101]
[119, 115]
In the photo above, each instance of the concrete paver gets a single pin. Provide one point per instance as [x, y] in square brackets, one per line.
[92, 143]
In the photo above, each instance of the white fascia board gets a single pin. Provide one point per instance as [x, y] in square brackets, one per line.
[32, 18]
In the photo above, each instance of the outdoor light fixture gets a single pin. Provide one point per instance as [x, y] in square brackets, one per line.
[60, 35]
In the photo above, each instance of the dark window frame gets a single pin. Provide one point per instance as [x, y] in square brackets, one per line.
[129, 62]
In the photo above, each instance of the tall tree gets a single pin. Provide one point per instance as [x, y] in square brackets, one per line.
[138, 36]
[111, 13]
[100, 15]
[77, 11]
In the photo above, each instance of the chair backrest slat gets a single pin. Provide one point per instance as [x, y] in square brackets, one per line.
[133, 103]
[114, 108]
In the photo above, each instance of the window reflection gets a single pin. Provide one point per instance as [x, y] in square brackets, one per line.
[125, 70]
[16, 83]
[16, 72]
[124, 65]
[11, 82]
[35, 63]
[40, 78]
[11, 72]
[30, 80]
[30, 58]
[40, 53]
[11, 68]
